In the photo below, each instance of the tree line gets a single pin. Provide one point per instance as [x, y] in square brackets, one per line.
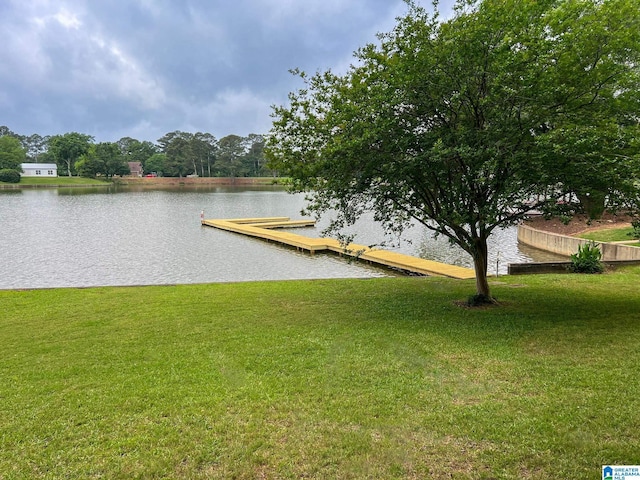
[176, 154]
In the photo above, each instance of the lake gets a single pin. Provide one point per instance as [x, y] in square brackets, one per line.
[81, 237]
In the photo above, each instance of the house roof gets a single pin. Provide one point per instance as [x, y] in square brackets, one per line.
[43, 166]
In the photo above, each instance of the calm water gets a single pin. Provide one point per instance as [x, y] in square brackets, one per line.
[91, 237]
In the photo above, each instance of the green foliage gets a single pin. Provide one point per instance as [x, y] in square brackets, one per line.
[176, 154]
[136, 151]
[635, 233]
[203, 155]
[459, 124]
[155, 164]
[36, 147]
[11, 153]
[9, 175]
[179, 160]
[185, 154]
[105, 159]
[230, 157]
[587, 259]
[565, 219]
[67, 149]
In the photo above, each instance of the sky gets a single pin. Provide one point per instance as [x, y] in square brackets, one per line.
[143, 68]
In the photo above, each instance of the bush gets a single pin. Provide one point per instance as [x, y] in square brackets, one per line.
[587, 260]
[636, 229]
[9, 175]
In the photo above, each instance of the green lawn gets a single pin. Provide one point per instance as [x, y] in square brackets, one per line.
[609, 235]
[63, 181]
[378, 378]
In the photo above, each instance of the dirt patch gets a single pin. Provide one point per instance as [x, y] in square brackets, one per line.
[579, 224]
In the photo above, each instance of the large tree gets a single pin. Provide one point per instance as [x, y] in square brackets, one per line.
[67, 149]
[254, 158]
[11, 153]
[155, 164]
[35, 146]
[179, 159]
[204, 148]
[104, 158]
[231, 154]
[136, 151]
[458, 124]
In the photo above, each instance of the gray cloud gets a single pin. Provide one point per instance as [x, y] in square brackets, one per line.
[142, 68]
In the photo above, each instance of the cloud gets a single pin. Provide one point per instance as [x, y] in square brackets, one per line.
[238, 111]
[143, 68]
[67, 19]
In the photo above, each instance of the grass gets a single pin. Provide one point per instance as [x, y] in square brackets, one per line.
[609, 235]
[55, 181]
[377, 378]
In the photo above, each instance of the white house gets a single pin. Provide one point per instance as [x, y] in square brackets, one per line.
[39, 169]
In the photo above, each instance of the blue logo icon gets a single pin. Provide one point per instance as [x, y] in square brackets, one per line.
[607, 473]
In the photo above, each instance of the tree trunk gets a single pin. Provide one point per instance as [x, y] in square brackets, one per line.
[480, 263]
[593, 203]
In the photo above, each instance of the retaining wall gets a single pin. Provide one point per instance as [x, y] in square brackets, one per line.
[558, 267]
[194, 181]
[566, 245]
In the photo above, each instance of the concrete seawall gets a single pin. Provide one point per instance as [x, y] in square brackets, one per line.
[200, 181]
[566, 245]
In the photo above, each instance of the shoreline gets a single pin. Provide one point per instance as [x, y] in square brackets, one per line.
[154, 182]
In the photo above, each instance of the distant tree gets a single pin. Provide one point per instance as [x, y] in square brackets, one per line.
[104, 158]
[136, 151]
[68, 148]
[231, 153]
[35, 146]
[6, 132]
[167, 138]
[114, 162]
[254, 158]
[155, 164]
[88, 165]
[460, 124]
[179, 158]
[204, 149]
[11, 153]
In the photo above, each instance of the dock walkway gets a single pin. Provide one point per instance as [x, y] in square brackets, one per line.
[266, 229]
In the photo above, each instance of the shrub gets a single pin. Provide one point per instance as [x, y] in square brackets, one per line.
[587, 260]
[635, 233]
[565, 219]
[9, 175]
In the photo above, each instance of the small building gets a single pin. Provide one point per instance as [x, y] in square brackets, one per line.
[39, 169]
[135, 168]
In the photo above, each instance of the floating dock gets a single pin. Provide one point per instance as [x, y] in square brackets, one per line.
[267, 229]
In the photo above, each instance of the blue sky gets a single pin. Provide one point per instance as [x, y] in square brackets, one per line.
[142, 68]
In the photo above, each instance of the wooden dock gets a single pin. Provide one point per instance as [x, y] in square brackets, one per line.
[266, 229]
